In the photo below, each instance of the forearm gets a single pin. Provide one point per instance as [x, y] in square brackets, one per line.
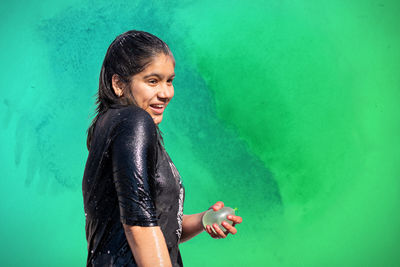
[191, 226]
[148, 246]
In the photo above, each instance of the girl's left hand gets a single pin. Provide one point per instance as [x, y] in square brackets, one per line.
[229, 228]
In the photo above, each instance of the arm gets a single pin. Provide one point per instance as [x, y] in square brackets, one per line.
[191, 226]
[133, 159]
[148, 246]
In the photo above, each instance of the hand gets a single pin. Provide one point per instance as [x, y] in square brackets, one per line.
[229, 228]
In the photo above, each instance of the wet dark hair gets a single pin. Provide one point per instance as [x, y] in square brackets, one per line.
[129, 54]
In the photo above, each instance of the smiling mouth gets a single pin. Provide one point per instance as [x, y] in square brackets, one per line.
[157, 108]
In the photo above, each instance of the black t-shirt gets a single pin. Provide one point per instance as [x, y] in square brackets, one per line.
[129, 178]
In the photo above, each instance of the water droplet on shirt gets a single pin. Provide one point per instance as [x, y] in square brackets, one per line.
[91, 251]
[108, 252]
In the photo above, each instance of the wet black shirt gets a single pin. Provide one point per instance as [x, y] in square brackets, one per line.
[129, 178]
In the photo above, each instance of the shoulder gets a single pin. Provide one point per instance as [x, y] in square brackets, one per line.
[134, 115]
[134, 118]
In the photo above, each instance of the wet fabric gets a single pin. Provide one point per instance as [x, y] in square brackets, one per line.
[129, 178]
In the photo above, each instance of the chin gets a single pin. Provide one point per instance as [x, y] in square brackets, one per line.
[157, 121]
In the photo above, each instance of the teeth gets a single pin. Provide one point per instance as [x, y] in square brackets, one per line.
[158, 106]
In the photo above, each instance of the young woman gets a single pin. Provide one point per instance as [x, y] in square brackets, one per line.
[133, 194]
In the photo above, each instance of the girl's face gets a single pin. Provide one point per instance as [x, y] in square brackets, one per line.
[152, 88]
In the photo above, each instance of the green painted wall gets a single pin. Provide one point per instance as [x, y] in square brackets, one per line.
[287, 110]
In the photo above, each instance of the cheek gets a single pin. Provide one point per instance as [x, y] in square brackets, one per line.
[142, 95]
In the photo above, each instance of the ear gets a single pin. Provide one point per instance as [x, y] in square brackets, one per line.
[117, 85]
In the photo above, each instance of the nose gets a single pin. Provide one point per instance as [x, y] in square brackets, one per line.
[166, 91]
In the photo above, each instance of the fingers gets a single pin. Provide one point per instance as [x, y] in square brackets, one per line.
[211, 232]
[235, 219]
[218, 205]
[220, 233]
[217, 233]
[231, 229]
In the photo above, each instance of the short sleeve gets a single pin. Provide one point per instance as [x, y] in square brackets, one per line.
[133, 155]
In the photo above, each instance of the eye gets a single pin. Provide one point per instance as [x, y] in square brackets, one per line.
[170, 80]
[152, 81]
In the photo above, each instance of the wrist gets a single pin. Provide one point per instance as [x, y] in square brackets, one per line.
[201, 219]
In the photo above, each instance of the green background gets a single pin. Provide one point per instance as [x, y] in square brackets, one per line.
[287, 110]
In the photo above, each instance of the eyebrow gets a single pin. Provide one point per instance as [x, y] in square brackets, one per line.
[157, 75]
